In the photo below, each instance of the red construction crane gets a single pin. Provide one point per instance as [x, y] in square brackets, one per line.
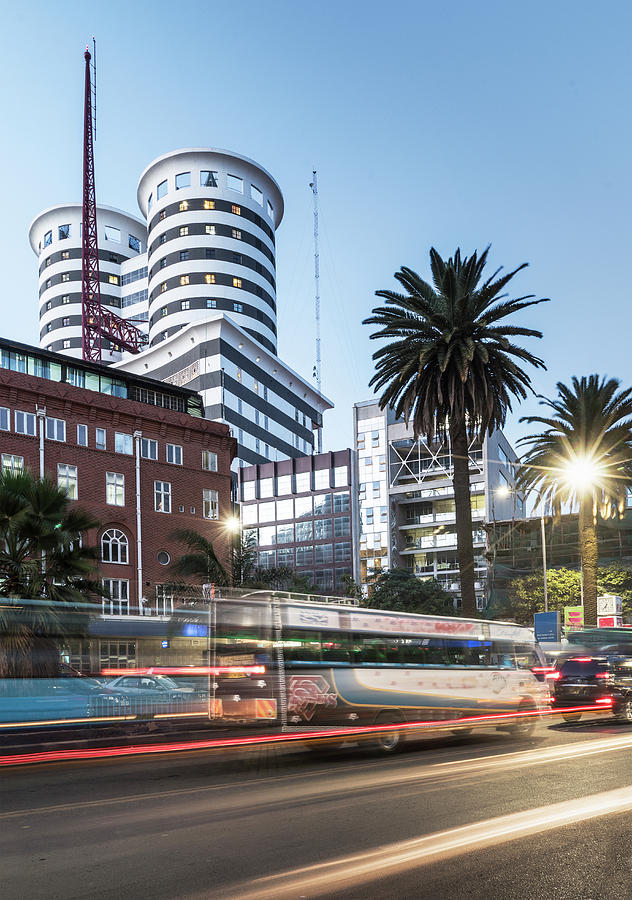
[97, 322]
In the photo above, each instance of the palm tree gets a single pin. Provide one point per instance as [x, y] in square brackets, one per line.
[45, 565]
[452, 367]
[583, 456]
[200, 562]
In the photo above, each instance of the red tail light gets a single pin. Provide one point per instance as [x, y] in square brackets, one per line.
[553, 676]
[542, 670]
[605, 675]
[605, 701]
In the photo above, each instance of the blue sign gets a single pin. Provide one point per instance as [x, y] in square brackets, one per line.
[191, 629]
[164, 645]
[547, 627]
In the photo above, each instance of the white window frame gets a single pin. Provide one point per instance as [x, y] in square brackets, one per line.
[68, 478]
[82, 430]
[210, 503]
[123, 443]
[97, 443]
[29, 419]
[5, 418]
[55, 428]
[114, 481]
[149, 448]
[117, 605]
[114, 537]
[174, 454]
[209, 460]
[10, 465]
[162, 496]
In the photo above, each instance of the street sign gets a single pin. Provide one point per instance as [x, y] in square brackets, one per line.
[547, 626]
[573, 617]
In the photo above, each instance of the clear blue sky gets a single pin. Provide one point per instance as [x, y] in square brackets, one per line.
[446, 124]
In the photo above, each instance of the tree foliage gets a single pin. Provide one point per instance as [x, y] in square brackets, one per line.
[199, 564]
[452, 364]
[44, 558]
[400, 591]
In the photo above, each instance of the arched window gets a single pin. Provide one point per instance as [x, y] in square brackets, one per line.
[114, 546]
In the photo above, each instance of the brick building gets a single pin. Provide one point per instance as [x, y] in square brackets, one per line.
[134, 452]
[301, 514]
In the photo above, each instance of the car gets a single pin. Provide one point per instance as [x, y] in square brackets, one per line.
[155, 690]
[592, 681]
[66, 700]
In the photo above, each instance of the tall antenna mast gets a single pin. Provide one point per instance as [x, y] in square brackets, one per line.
[90, 282]
[96, 322]
[317, 367]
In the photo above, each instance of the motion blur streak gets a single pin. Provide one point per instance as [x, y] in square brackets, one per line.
[188, 670]
[350, 734]
[353, 870]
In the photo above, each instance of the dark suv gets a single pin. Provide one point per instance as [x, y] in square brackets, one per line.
[599, 681]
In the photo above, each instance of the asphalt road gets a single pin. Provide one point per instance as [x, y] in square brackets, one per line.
[473, 817]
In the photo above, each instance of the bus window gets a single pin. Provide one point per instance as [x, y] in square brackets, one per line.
[336, 648]
[503, 655]
[479, 653]
[302, 646]
[526, 656]
[455, 653]
[372, 652]
[427, 652]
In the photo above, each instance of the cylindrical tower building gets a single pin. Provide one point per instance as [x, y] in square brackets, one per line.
[55, 236]
[211, 217]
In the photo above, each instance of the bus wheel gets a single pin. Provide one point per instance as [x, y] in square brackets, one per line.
[389, 741]
[626, 712]
[525, 725]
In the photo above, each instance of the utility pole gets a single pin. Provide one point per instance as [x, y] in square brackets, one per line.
[317, 368]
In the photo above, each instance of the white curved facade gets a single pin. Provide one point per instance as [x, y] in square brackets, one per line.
[211, 218]
[55, 237]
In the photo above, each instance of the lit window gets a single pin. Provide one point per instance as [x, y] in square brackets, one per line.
[66, 344]
[174, 454]
[185, 304]
[49, 282]
[63, 232]
[210, 229]
[184, 205]
[183, 180]
[163, 287]
[48, 238]
[161, 190]
[237, 234]
[208, 178]
[238, 374]
[237, 282]
[82, 435]
[55, 429]
[184, 279]
[148, 448]
[256, 387]
[11, 464]
[114, 489]
[49, 327]
[163, 311]
[162, 496]
[163, 214]
[49, 305]
[238, 307]
[48, 261]
[208, 204]
[163, 238]
[65, 298]
[209, 460]
[123, 443]
[210, 504]
[65, 322]
[114, 546]
[67, 480]
[65, 254]
[235, 183]
[113, 234]
[163, 262]
[256, 194]
[65, 276]
[211, 304]
[209, 278]
[134, 243]
[113, 279]
[4, 418]
[184, 230]
[236, 210]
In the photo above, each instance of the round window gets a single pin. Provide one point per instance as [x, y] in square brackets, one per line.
[163, 558]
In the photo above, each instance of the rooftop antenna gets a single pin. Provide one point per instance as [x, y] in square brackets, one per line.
[96, 322]
[317, 368]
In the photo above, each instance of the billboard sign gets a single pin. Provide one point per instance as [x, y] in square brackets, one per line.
[573, 617]
[609, 621]
[547, 627]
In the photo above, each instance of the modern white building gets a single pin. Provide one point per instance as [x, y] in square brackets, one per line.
[406, 499]
[200, 270]
[55, 237]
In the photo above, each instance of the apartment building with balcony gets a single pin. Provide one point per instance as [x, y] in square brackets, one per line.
[405, 499]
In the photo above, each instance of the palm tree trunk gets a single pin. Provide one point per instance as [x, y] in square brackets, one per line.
[589, 557]
[463, 508]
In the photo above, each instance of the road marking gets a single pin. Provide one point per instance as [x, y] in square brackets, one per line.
[353, 780]
[351, 871]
